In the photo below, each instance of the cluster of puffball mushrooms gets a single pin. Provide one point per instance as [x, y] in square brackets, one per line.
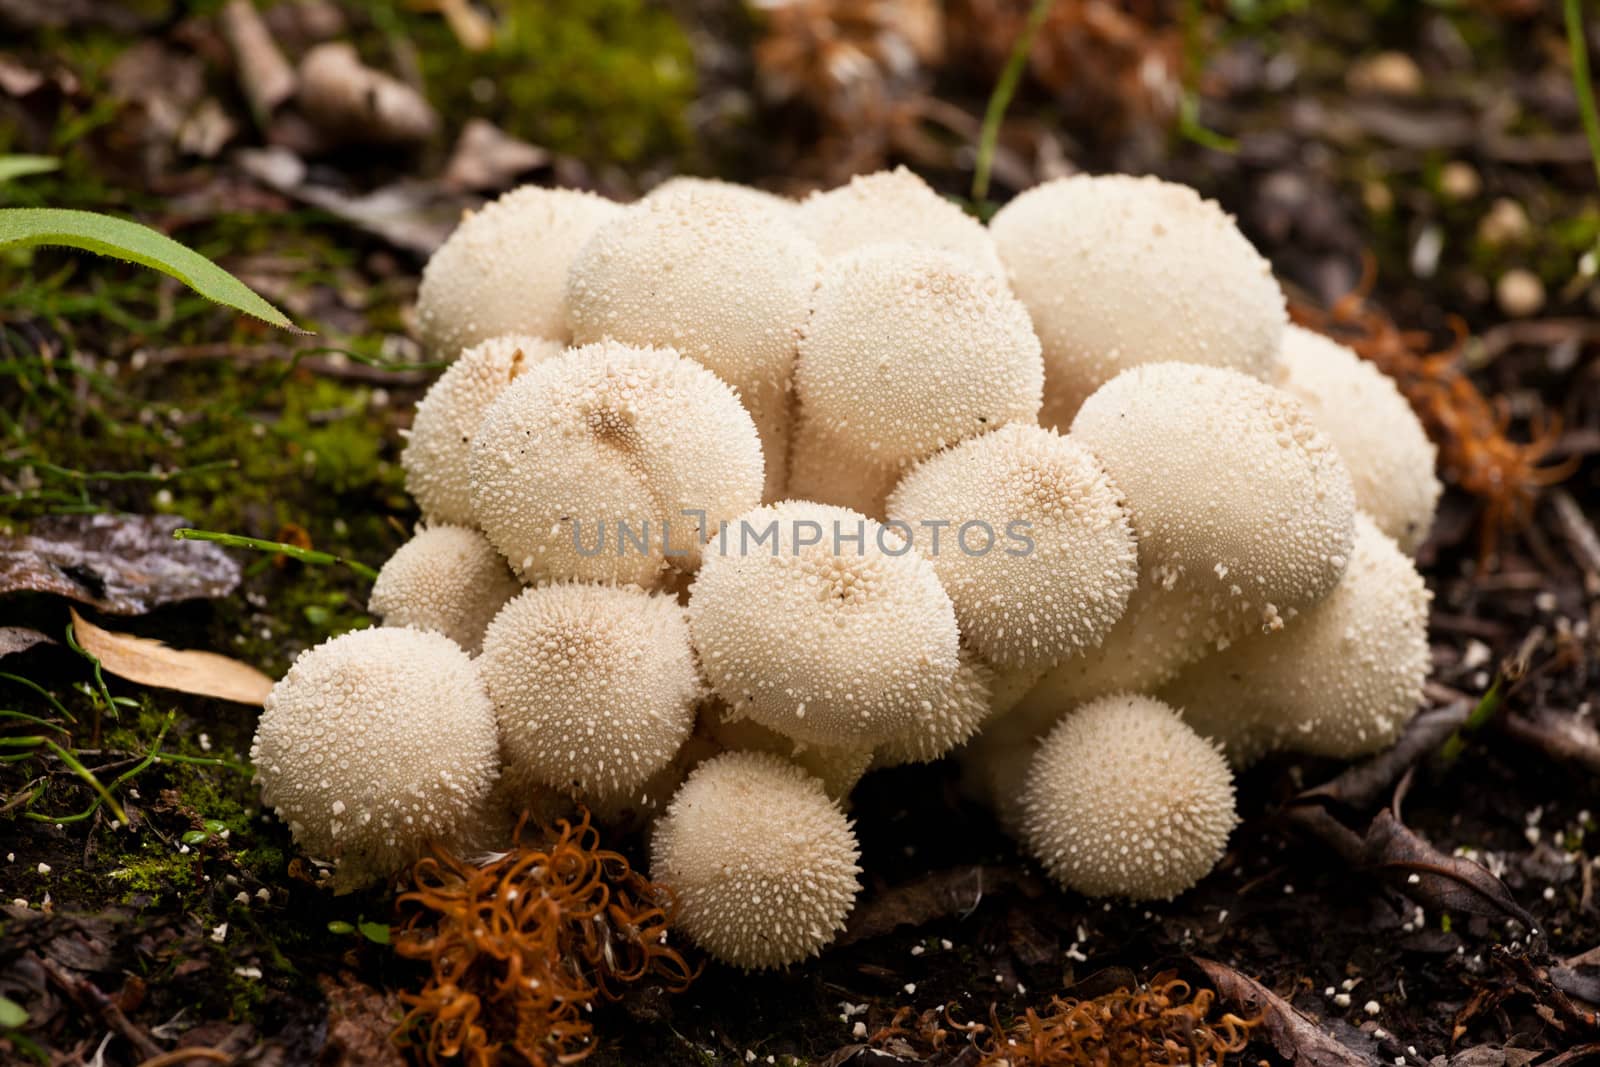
[683, 488]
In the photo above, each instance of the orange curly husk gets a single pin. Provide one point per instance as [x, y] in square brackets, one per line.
[522, 947]
[1470, 430]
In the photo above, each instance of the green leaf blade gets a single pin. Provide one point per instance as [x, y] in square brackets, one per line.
[22, 166]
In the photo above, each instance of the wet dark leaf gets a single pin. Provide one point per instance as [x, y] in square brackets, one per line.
[1436, 880]
[1293, 1035]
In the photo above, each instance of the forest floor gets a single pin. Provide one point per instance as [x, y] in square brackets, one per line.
[124, 396]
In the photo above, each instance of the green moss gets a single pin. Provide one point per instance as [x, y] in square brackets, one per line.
[156, 873]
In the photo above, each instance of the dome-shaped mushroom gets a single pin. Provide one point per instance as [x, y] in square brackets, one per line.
[1342, 680]
[895, 206]
[612, 463]
[1118, 271]
[1379, 437]
[448, 579]
[908, 350]
[1123, 799]
[504, 269]
[759, 198]
[374, 742]
[437, 446]
[823, 625]
[762, 864]
[594, 686]
[723, 280]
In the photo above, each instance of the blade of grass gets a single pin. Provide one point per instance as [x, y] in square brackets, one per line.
[304, 555]
[999, 100]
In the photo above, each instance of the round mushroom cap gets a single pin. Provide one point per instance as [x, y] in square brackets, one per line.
[1062, 561]
[594, 686]
[504, 269]
[435, 456]
[612, 463]
[1342, 680]
[891, 206]
[762, 864]
[1377, 434]
[374, 742]
[724, 280]
[448, 579]
[908, 350]
[957, 716]
[1118, 271]
[682, 183]
[821, 624]
[1123, 799]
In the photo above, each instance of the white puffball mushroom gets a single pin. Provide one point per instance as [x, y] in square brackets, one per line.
[722, 280]
[1342, 680]
[762, 864]
[448, 579]
[1378, 435]
[373, 743]
[908, 350]
[836, 634]
[1123, 799]
[504, 269]
[894, 206]
[682, 183]
[437, 446]
[595, 465]
[957, 715]
[594, 687]
[1063, 559]
[1118, 271]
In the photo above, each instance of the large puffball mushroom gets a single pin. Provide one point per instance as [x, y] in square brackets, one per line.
[437, 446]
[749, 194]
[1039, 557]
[957, 715]
[448, 579]
[892, 206]
[723, 280]
[1122, 799]
[1378, 435]
[1243, 512]
[612, 463]
[374, 742]
[1342, 680]
[908, 350]
[504, 269]
[836, 634]
[762, 864]
[1118, 271]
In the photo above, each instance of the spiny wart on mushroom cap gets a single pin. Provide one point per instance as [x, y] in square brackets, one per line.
[504, 269]
[908, 350]
[1342, 680]
[1378, 435]
[832, 642]
[1026, 607]
[1118, 271]
[762, 864]
[1123, 799]
[440, 439]
[374, 742]
[594, 687]
[892, 206]
[722, 279]
[448, 579]
[604, 436]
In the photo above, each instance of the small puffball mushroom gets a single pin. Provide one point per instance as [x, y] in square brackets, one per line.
[723, 280]
[895, 206]
[838, 768]
[612, 463]
[504, 269]
[1123, 799]
[1118, 271]
[594, 687]
[1064, 560]
[958, 714]
[682, 183]
[373, 743]
[1342, 680]
[1377, 434]
[762, 864]
[435, 456]
[908, 350]
[822, 625]
[1242, 510]
[448, 579]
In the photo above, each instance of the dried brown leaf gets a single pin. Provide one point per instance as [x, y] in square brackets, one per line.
[1444, 882]
[148, 662]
